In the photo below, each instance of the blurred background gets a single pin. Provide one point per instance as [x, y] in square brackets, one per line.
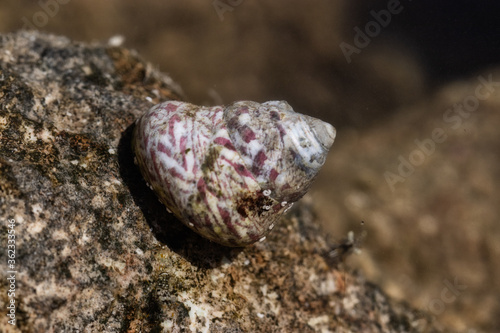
[388, 75]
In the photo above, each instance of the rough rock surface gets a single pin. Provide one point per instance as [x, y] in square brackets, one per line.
[434, 222]
[96, 252]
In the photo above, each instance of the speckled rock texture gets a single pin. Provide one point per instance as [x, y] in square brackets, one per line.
[96, 251]
[438, 223]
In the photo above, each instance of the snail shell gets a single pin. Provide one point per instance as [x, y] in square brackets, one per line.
[229, 172]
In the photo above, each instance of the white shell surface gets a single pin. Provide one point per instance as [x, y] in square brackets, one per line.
[225, 171]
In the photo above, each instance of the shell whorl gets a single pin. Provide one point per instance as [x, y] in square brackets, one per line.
[283, 149]
[229, 172]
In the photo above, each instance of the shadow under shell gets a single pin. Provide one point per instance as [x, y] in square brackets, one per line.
[166, 228]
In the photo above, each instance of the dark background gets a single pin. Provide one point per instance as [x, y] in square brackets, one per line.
[453, 39]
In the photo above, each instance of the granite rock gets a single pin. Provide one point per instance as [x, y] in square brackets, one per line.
[96, 251]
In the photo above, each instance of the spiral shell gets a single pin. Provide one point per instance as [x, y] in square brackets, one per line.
[229, 172]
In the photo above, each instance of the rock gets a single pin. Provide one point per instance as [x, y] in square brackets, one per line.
[425, 184]
[94, 249]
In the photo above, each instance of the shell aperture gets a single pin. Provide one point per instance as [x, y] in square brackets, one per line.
[229, 172]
